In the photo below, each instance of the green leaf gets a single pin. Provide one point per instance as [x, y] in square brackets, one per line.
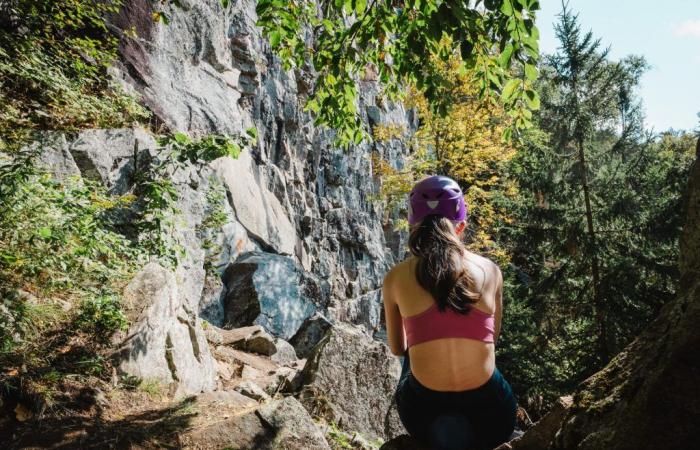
[531, 71]
[45, 232]
[506, 54]
[275, 38]
[181, 138]
[509, 89]
[507, 7]
[225, 3]
[360, 6]
[252, 132]
[533, 99]
[233, 150]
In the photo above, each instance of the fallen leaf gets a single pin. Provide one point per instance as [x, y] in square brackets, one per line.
[22, 413]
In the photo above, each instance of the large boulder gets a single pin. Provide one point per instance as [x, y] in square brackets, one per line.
[294, 427]
[258, 209]
[350, 379]
[53, 155]
[268, 290]
[165, 342]
[233, 423]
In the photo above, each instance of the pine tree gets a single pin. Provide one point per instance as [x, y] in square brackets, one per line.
[595, 227]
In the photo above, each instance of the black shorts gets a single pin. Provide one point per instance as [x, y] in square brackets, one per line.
[477, 418]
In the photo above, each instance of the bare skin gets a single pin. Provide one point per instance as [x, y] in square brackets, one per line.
[450, 364]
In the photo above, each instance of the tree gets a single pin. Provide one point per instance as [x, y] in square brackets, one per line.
[594, 237]
[396, 40]
[648, 396]
[465, 144]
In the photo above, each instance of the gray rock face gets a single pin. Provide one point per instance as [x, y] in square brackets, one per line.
[267, 290]
[350, 379]
[53, 155]
[364, 310]
[210, 71]
[252, 390]
[260, 342]
[295, 428]
[165, 342]
[260, 212]
[310, 334]
[110, 156]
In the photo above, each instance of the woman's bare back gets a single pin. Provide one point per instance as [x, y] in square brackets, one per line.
[450, 364]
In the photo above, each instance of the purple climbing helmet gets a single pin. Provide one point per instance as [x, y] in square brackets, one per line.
[437, 195]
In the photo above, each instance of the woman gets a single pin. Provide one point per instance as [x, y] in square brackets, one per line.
[443, 311]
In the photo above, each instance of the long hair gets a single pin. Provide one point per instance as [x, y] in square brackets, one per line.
[441, 268]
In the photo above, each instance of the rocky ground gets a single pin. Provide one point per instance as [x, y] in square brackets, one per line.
[263, 396]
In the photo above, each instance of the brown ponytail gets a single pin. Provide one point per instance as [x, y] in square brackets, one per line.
[441, 268]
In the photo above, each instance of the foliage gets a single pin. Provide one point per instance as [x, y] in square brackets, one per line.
[56, 239]
[101, 315]
[465, 144]
[215, 217]
[339, 439]
[53, 61]
[158, 194]
[184, 149]
[594, 229]
[347, 40]
[63, 264]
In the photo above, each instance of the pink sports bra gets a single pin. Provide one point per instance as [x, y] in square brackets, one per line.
[432, 324]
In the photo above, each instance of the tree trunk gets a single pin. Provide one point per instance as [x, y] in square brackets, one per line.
[603, 348]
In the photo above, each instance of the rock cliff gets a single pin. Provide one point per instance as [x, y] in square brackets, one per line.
[296, 235]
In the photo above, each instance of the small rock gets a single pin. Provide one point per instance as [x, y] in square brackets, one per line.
[250, 373]
[262, 343]
[286, 378]
[252, 390]
[213, 336]
[285, 353]
[224, 370]
[238, 335]
[234, 356]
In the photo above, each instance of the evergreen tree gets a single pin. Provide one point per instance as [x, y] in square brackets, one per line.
[595, 227]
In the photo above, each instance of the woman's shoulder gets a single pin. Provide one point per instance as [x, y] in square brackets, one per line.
[489, 268]
[399, 269]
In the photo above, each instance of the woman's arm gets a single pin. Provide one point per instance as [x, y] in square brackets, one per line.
[394, 324]
[499, 304]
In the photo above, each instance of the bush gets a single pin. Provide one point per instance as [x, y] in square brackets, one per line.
[101, 316]
[54, 55]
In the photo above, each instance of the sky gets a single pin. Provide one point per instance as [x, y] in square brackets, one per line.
[666, 33]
